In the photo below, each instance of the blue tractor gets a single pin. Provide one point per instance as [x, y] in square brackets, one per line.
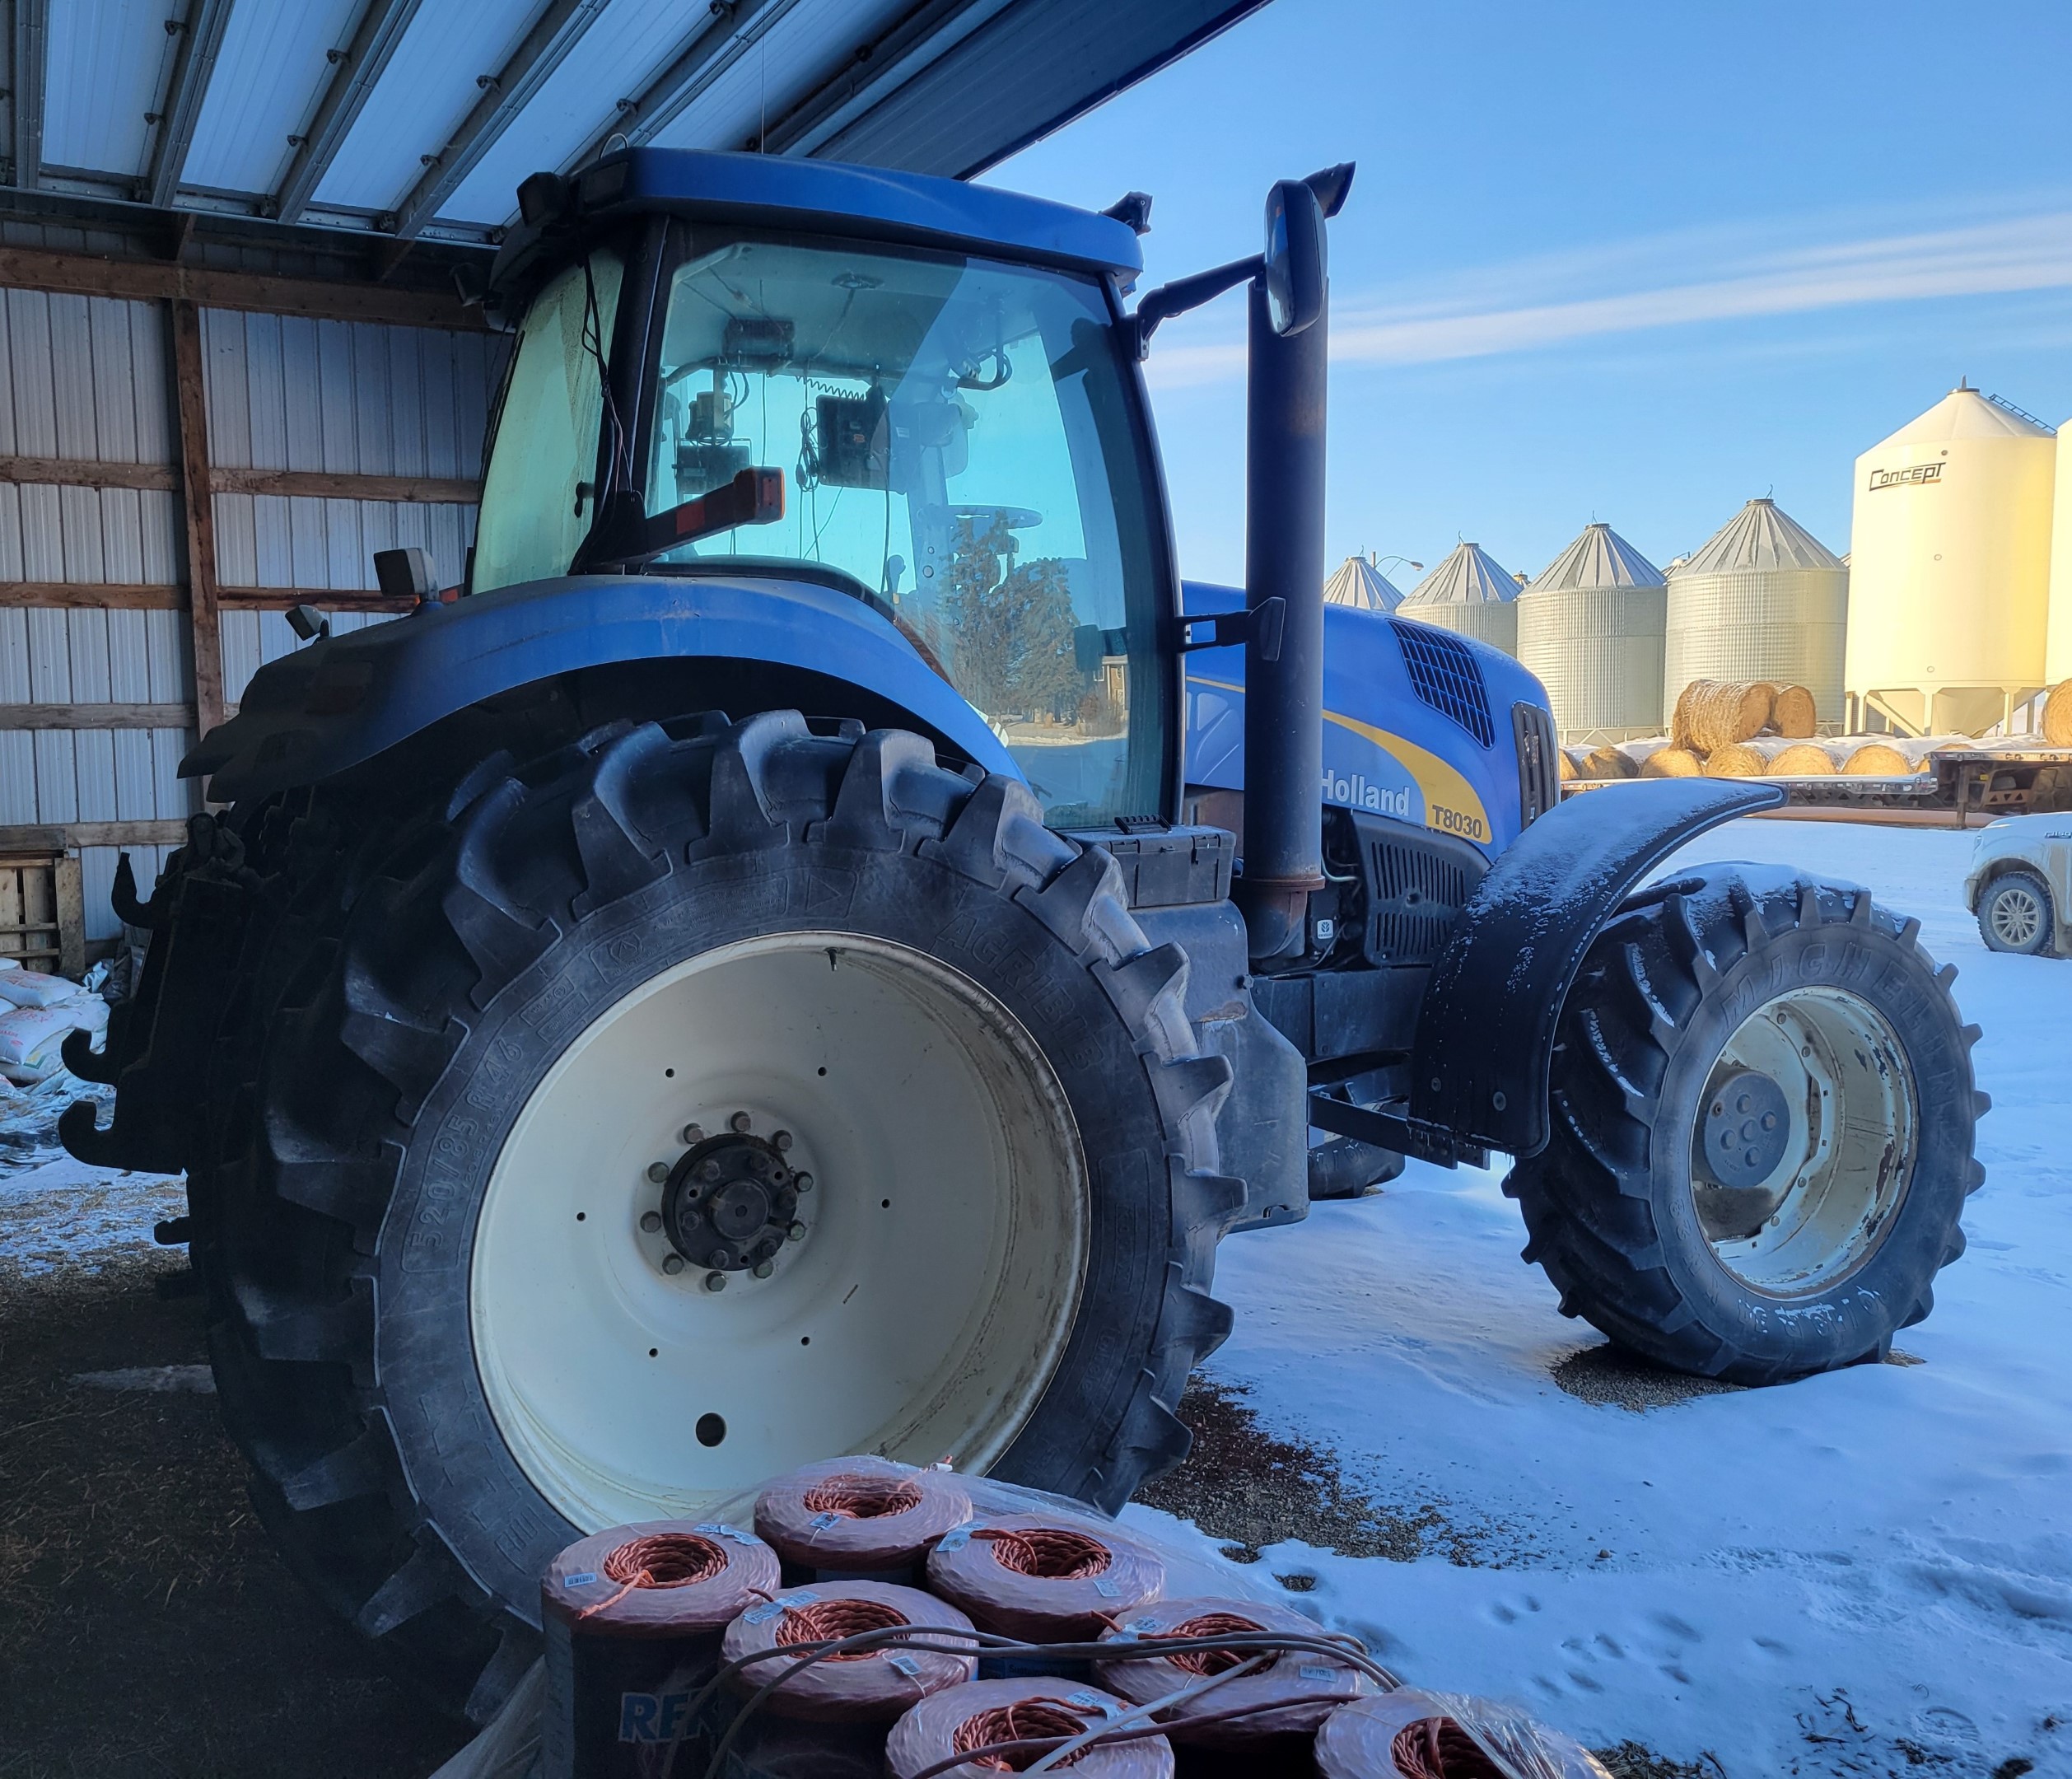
[771, 968]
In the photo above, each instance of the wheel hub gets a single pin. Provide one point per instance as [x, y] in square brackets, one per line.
[730, 1203]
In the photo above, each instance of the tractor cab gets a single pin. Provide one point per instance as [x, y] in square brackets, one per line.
[922, 399]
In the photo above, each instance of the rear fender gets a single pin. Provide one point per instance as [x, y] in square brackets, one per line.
[1485, 1032]
[338, 703]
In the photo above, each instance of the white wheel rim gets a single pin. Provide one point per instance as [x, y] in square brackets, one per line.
[923, 1328]
[1854, 1123]
[2016, 917]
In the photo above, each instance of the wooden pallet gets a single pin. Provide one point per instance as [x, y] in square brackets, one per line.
[43, 911]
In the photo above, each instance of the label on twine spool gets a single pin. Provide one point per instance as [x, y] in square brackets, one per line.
[1319, 1673]
[821, 1521]
[584, 1580]
[955, 1541]
[905, 1663]
[1087, 1701]
[717, 1530]
[1106, 1589]
[770, 1609]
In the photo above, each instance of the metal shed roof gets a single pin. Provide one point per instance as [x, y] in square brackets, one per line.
[414, 118]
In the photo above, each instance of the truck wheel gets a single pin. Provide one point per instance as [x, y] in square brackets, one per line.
[1763, 1116]
[697, 1101]
[2014, 914]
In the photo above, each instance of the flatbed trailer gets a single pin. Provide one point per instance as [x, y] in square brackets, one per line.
[1959, 787]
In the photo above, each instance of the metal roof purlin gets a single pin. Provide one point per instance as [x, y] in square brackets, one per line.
[201, 38]
[380, 29]
[31, 38]
[925, 32]
[504, 95]
[727, 35]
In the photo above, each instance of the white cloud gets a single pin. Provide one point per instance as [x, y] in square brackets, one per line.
[1493, 313]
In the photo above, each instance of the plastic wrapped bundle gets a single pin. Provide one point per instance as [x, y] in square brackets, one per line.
[1303, 1686]
[1042, 1580]
[859, 1686]
[988, 1713]
[859, 1514]
[1412, 1734]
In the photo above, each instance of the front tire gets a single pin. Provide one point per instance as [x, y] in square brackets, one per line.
[1763, 1117]
[472, 1303]
[2015, 914]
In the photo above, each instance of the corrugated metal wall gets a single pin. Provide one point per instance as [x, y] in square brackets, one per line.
[87, 379]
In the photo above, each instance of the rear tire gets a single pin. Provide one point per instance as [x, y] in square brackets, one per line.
[2015, 914]
[425, 987]
[1754, 1277]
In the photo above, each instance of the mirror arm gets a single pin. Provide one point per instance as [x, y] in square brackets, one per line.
[1183, 294]
[1331, 185]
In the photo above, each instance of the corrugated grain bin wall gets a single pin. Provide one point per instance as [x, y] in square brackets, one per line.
[1470, 594]
[1592, 626]
[1950, 564]
[2057, 657]
[1764, 600]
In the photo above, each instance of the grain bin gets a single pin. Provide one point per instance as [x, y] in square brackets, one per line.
[1591, 625]
[1470, 594]
[1949, 569]
[1765, 600]
[1359, 583]
[2057, 655]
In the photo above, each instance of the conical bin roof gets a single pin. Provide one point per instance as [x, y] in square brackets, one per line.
[1359, 584]
[1965, 414]
[1761, 538]
[1469, 576]
[1600, 557]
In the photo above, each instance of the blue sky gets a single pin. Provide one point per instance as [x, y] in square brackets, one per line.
[1604, 259]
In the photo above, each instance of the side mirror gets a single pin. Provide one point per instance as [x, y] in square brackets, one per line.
[1294, 256]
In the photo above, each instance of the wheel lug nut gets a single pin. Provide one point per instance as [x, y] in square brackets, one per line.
[658, 1171]
[797, 1232]
[651, 1220]
[693, 1133]
[803, 1181]
[709, 1171]
[764, 1269]
[739, 1121]
[715, 1281]
[672, 1264]
[781, 1141]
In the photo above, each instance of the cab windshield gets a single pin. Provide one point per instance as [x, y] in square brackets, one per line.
[957, 446]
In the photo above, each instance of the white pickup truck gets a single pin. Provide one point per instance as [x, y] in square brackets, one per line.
[2020, 886]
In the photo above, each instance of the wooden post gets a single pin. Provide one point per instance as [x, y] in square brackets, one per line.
[190, 403]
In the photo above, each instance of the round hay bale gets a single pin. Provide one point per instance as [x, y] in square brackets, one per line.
[1680, 716]
[1638, 752]
[1723, 712]
[1737, 759]
[1571, 764]
[2057, 715]
[1607, 763]
[1793, 714]
[1671, 762]
[1802, 759]
[1876, 759]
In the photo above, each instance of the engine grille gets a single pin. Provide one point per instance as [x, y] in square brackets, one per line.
[1417, 893]
[1444, 673]
[1539, 774]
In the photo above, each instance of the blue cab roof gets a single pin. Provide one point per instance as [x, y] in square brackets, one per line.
[828, 197]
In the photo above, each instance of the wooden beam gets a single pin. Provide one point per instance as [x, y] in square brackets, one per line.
[54, 837]
[157, 280]
[326, 484]
[318, 484]
[92, 595]
[322, 598]
[97, 717]
[190, 408]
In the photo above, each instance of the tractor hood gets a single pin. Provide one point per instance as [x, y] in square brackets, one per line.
[344, 699]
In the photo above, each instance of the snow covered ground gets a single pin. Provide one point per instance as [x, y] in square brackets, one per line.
[1864, 1573]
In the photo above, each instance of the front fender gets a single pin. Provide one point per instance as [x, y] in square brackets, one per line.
[343, 700]
[1485, 1039]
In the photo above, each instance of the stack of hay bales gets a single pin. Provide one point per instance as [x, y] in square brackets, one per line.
[1726, 728]
[2057, 715]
